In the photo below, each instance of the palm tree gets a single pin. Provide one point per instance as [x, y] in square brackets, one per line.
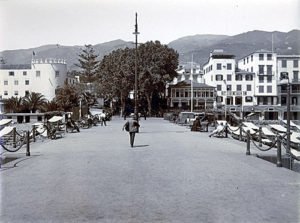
[34, 101]
[13, 104]
[67, 97]
[51, 106]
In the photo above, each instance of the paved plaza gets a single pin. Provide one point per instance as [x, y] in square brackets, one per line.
[171, 175]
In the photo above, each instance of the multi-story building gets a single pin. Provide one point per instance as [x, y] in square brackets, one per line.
[234, 87]
[42, 76]
[262, 64]
[189, 80]
[289, 64]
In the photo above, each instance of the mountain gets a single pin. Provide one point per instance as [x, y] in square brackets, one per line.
[241, 45]
[199, 46]
[70, 53]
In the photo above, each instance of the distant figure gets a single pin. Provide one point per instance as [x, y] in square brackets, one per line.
[103, 118]
[132, 127]
[219, 129]
[196, 125]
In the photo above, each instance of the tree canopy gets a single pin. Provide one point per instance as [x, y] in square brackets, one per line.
[156, 65]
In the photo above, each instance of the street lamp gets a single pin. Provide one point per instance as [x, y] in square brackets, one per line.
[136, 33]
[285, 76]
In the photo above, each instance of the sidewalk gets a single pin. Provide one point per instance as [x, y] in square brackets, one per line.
[171, 175]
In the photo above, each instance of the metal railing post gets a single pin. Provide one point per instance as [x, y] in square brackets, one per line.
[260, 136]
[226, 130]
[279, 158]
[14, 137]
[33, 133]
[248, 143]
[27, 144]
[241, 133]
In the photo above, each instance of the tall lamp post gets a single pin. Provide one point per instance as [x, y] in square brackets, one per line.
[136, 33]
[285, 76]
[192, 87]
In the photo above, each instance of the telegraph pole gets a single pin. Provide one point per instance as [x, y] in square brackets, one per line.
[136, 33]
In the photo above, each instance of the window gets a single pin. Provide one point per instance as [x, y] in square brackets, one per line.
[5, 93]
[249, 87]
[248, 99]
[261, 69]
[295, 75]
[260, 79]
[238, 77]
[261, 89]
[219, 99]
[269, 69]
[269, 56]
[219, 87]
[229, 66]
[247, 59]
[16, 82]
[16, 93]
[295, 63]
[26, 82]
[283, 63]
[5, 82]
[244, 61]
[251, 57]
[269, 89]
[252, 69]
[228, 87]
[269, 78]
[38, 73]
[228, 77]
[219, 66]
[57, 73]
[249, 77]
[219, 77]
[24, 73]
[261, 56]
[26, 93]
[11, 73]
[239, 87]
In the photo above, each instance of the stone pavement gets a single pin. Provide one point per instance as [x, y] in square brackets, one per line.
[171, 175]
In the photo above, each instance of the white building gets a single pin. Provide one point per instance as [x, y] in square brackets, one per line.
[233, 88]
[263, 64]
[289, 64]
[42, 76]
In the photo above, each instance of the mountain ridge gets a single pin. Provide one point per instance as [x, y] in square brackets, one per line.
[197, 46]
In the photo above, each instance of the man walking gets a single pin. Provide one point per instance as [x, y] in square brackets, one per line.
[132, 127]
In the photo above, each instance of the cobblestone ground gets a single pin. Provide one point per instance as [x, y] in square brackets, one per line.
[171, 175]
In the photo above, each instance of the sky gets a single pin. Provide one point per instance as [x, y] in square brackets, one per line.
[32, 23]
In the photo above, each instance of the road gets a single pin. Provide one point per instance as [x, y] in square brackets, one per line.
[171, 175]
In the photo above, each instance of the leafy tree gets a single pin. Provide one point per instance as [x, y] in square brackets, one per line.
[116, 75]
[88, 63]
[51, 106]
[14, 104]
[157, 66]
[34, 101]
[67, 97]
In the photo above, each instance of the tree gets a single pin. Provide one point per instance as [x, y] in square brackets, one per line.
[116, 75]
[13, 104]
[34, 101]
[157, 67]
[67, 97]
[88, 63]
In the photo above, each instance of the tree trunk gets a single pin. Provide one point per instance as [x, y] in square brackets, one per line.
[149, 101]
[122, 104]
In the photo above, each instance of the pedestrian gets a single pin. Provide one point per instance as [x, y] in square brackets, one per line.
[218, 130]
[132, 127]
[103, 118]
[196, 125]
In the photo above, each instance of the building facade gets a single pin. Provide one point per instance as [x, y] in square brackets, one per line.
[289, 64]
[42, 76]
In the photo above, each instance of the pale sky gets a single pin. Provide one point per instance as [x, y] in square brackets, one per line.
[32, 23]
